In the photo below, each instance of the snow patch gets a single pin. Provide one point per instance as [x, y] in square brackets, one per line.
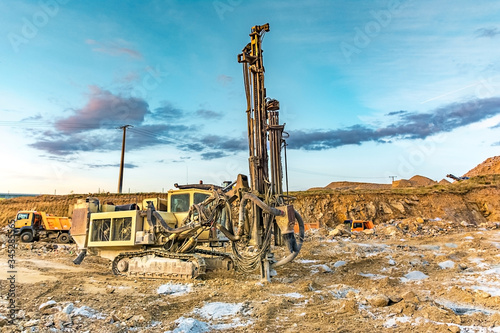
[340, 263]
[174, 289]
[47, 304]
[479, 262]
[69, 308]
[461, 309]
[218, 310]
[430, 247]
[217, 313]
[373, 276]
[495, 270]
[446, 264]
[86, 311]
[392, 322]
[190, 325]
[306, 261]
[493, 291]
[414, 276]
[293, 295]
[342, 292]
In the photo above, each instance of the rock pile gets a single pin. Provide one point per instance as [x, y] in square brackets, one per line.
[410, 227]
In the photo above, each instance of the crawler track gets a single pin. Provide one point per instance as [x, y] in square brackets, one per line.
[200, 264]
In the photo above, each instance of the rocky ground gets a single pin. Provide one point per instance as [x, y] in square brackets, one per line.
[419, 276]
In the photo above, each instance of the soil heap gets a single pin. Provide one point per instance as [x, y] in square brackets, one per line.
[489, 167]
[415, 181]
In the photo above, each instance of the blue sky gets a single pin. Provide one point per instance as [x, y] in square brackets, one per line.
[368, 90]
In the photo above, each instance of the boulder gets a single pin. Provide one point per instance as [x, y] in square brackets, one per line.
[369, 231]
[379, 300]
[335, 232]
[47, 305]
[31, 323]
[62, 319]
[385, 208]
[391, 230]
[348, 306]
[399, 206]
[371, 210]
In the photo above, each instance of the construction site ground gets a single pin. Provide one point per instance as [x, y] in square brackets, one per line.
[347, 283]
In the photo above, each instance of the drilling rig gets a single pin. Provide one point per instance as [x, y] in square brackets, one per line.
[188, 232]
[266, 169]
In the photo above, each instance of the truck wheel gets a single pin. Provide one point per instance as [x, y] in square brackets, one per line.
[63, 238]
[26, 237]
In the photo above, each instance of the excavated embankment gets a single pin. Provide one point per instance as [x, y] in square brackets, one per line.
[475, 205]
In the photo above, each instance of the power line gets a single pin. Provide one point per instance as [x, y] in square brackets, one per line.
[89, 126]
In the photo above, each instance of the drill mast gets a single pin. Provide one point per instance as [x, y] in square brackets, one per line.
[264, 130]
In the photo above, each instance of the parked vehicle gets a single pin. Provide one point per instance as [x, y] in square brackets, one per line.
[31, 225]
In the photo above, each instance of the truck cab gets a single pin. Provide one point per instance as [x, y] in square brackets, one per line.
[179, 201]
[25, 223]
[359, 225]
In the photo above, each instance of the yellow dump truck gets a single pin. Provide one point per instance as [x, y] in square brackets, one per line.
[31, 225]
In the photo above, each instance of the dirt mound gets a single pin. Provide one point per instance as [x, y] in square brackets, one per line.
[415, 181]
[444, 182]
[421, 181]
[489, 167]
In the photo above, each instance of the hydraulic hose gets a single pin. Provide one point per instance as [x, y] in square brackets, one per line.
[163, 224]
[258, 202]
[292, 244]
[228, 233]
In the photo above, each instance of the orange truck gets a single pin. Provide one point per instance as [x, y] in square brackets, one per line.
[359, 225]
[31, 225]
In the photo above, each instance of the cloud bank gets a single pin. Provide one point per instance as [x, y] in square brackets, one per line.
[407, 125]
[94, 127]
[117, 48]
[489, 32]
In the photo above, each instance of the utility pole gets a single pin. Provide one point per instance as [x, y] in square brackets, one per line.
[393, 177]
[120, 179]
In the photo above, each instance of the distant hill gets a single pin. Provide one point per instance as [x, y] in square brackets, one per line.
[489, 167]
[344, 185]
[415, 181]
